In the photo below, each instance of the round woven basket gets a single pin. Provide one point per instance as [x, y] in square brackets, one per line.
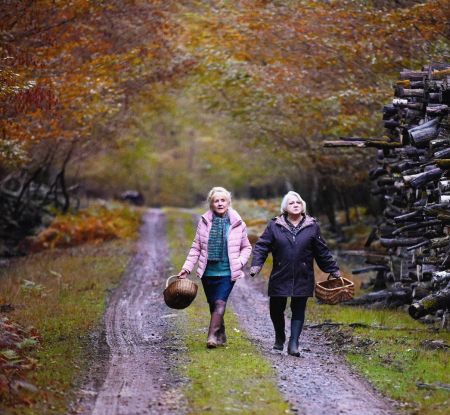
[334, 291]
[180, 293]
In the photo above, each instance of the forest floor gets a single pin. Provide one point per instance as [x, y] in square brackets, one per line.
[139, 372]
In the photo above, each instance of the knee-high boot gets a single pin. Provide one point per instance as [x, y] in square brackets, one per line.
[214, 327]
[296, 329]
[221, 336]
[216, 332]
[280, 335]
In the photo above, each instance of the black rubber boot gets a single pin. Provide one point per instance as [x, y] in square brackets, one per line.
[279, 343]
[296, 329]
[277, 317]
[280, 337]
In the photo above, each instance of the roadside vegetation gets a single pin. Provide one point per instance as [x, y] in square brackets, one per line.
[52, 302]
[403, 358]
[234, 379]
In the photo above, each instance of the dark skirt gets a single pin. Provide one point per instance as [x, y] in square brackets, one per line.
[217, 288]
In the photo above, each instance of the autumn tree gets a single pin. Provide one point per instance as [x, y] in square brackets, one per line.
[298, 72]
[69, 71]
[239, 92]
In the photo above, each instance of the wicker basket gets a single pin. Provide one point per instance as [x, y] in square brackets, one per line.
[179, 294]
[335, 290]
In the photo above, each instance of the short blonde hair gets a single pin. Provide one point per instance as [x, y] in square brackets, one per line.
[216, 190]
[285, 201]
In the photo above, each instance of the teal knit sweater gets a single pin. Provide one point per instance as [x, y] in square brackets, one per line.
[220, 268]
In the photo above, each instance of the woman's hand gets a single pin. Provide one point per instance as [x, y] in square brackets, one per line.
[254, 270]
[182, 274]
[336, 274]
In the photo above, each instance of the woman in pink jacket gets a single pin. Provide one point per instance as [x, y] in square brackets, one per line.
[221, 248]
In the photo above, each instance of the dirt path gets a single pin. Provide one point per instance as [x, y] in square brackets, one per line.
[137, 376]
[320, 382]
[135, 359]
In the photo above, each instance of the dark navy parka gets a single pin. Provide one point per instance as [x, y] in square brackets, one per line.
[293, 257]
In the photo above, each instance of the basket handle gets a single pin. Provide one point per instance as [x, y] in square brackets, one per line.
[342, 280]
[168, 279]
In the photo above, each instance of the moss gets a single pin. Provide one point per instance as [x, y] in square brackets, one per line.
[392, 354]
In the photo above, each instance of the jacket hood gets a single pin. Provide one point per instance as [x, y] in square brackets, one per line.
[281, 220]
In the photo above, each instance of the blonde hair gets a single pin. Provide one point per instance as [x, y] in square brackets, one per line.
[284, 202]
[216, 190]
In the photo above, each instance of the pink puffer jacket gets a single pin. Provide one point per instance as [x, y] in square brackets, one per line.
[239, 248]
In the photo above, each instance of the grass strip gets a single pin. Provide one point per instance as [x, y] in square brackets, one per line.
[62, 293]
[394, 360]
[231, 379]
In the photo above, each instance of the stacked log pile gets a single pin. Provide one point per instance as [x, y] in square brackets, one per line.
[413, 178]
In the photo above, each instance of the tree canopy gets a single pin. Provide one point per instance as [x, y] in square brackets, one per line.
[70, 68]
[188, 94]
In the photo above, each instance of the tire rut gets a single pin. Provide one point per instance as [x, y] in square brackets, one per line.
[319, 383]
[140, 375]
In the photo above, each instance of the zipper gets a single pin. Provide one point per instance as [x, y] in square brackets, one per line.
[293, 279]
[293, 269]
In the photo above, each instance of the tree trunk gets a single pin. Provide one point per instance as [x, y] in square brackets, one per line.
[425, 178]
[421, 290]
[423, 136]
[328, 190]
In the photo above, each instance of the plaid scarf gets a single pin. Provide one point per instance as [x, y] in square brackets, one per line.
[295, 229]
[217, 241]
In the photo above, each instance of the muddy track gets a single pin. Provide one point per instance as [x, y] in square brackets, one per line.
[139, 374]
[318, 383]
[135, 357]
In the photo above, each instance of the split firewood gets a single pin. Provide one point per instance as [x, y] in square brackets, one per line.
[431, 303]
[412, 176]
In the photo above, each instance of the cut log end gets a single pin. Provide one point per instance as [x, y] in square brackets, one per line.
[416, 311]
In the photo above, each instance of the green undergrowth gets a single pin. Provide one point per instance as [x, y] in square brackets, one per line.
[231, 379]
[393, 351]
[62, 294]
[396, 353]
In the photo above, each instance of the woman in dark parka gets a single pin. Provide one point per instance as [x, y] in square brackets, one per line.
[295, 242]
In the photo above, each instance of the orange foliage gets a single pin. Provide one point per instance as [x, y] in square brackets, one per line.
[67, 67]
[292, 72]
[94, 225]
[298, 72]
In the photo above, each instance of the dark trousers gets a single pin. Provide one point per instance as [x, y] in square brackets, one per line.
[278, 305]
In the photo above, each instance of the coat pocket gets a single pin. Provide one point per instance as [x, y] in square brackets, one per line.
[279, 270]
[306, 271]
